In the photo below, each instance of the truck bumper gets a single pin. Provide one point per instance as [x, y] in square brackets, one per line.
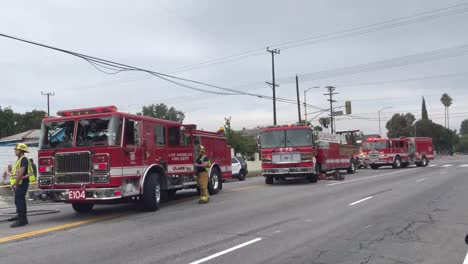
[61, 195]
[289, 172]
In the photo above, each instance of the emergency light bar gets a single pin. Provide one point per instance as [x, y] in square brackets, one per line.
[88, 111]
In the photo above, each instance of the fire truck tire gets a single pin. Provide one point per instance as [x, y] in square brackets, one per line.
[352, 167]
[214, 185]
[82, 207]
[312, 177]
[151, 192]
[397, 163]
[374, 167]
[424, 162]
[269, 180]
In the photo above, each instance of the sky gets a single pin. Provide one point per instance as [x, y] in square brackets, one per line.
[167, 36]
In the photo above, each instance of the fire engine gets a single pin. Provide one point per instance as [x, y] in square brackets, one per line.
[398, 152]
[100, 156]
[293, 151]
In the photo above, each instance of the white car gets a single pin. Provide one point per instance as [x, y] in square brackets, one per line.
[239, 168]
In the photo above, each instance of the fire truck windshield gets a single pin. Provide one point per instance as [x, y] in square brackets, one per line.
[375, 145]
[57, 135]
[286, 138]
[104, 131]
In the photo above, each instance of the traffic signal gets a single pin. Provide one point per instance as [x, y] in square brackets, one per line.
[348, 107]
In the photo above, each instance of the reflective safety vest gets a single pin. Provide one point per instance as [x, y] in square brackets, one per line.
[16, 169]
[200, 160]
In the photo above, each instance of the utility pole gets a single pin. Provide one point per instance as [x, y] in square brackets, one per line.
[305, 101]
[298, 102]
[48, 94]
[330, 93]
[273, 52]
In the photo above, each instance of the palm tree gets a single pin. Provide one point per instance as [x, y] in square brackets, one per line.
[446, 100]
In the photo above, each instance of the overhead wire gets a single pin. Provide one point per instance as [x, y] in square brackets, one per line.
[392, 23]
[120, 67]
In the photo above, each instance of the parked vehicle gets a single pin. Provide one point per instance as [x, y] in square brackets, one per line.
[99, 156]
[398, 152]
[293, 151]
[239, 168]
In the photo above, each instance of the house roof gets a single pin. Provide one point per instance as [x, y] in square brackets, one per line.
[30, 135]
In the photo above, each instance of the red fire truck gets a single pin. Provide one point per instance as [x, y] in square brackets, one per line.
[398, 152]
[292, 151]
[100, 156]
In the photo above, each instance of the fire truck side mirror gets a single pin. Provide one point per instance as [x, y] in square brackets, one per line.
[258, 141]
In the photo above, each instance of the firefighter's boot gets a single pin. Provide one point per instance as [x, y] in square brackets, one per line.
[22, 221]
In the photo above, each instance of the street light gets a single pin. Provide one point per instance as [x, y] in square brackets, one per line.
[305, 101]
[380, 130]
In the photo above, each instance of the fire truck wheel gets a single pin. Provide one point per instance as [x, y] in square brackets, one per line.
[82, 207]
[352, 167]
[151, 192]
[312, 177]
[397, 163]
[269, 180]
[424, 162]
[214, 185]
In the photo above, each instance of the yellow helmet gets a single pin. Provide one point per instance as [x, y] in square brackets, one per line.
[21, 146]
[202, 148]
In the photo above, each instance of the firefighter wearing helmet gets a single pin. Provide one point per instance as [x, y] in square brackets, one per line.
[202, 167]
[22, 175]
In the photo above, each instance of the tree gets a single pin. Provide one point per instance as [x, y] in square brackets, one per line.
[446, 100]
[424, 114]
[12, 123]
[240, 141]
[400, 125]
[163, 112]
[464, 127]
[443, 138]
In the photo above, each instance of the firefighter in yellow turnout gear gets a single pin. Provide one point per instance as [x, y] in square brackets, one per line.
[22, 175]
[202, 167]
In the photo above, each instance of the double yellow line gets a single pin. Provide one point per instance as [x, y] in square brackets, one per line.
[91, 220]
[55, 228]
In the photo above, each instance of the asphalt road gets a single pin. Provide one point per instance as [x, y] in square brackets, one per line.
[413, 215]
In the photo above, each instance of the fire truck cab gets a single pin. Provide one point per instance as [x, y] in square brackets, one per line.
[398, 152]
[100, 156]
[293, 151]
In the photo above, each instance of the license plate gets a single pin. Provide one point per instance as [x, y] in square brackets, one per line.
[77, 195]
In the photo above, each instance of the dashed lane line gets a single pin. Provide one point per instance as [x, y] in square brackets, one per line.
[362, 200]
[227, 251]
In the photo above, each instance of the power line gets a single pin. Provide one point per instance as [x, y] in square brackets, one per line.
[392, 23]
[385, 64]
[116, 67]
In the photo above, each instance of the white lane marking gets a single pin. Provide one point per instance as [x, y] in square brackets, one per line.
[362, 200]
[369, 226]
[366, 178]
[226, 251]
[463, 166]
[433, 165]
[443, 172]
[466, 259]
[422, 179]
[447, 165]
[277, 231]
